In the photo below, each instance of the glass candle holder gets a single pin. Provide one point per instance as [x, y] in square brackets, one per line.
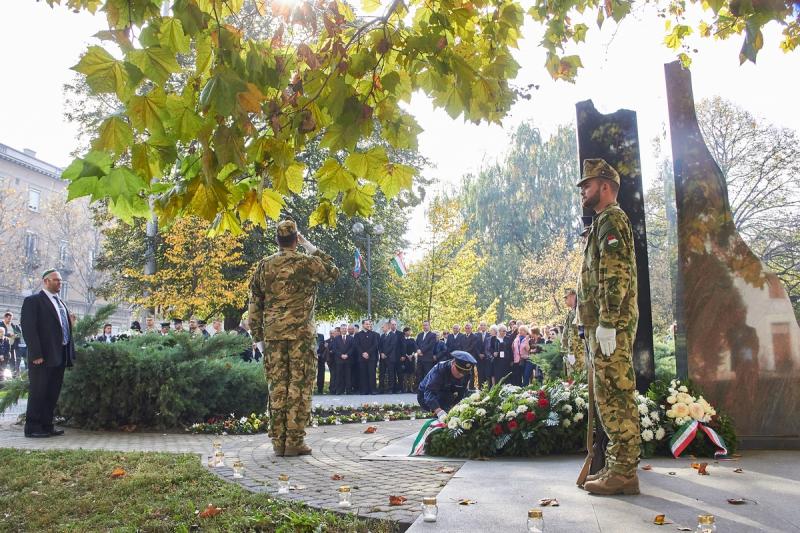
[535, 521]
[216, 446]
[238, 469]
[363, 419]
[283, 484]
[705, 524]
[413, 415]
[345, 496]
[210, 461]
[387, 418]
[429, 509]
[314, 423]
[219, 459]
[338, 421]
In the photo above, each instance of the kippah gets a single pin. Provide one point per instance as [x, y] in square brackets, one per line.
[48, 272]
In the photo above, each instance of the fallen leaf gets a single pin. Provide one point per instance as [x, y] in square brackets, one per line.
[702, 469]
[210, 510]
[738, 470]
[466, 501]
[659, 520]
[695, 465]
[297, 487]
[685, 529]
[736, 501]
[337, 477]
[446, 469]
[371, 429]
[647, 467]
[671, 473]
[397, 500]
[130, 428]
[118, 473]
[36, 493]
[552, 502]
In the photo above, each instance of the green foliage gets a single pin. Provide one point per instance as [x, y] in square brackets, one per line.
[201, 84]
[13, 391]
[159, 492]
[665, 360]
[550, 360]
[154, 381]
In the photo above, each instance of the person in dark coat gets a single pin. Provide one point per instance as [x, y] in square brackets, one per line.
[343, 355]
[394, 346]
[426, 344]
[408, 361]
[383, 359]
[366, 355]
[47, 328]
[320, 363]
[502, 356]
[473, 346]
[455, 341]
[446, 384]
[484, 357]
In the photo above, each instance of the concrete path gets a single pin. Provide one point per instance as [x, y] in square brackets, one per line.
[506, 489]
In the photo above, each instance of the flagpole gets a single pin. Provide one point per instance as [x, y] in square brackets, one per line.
[369, 277]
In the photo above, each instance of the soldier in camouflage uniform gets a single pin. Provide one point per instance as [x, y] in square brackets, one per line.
[283, 291]
[571, 343]
[608, 311]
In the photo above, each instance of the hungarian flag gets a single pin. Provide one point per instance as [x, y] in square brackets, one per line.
[399, 264]
[357, 264]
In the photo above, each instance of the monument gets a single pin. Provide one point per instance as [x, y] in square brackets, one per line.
[737, 335]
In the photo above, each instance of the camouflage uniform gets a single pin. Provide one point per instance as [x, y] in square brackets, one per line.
[607, 297]
[571, 343]
[283, 291]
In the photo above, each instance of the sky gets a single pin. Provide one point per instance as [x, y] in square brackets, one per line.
[623, 69]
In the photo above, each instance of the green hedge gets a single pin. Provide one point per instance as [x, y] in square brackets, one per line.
[154, 381]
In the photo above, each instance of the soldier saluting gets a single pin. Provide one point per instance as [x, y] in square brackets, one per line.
[283, 292]
[608, 311]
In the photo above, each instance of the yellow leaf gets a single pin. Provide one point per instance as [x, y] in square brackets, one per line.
[251, 99]
[250, 209]
[324, 214]
[272, 202]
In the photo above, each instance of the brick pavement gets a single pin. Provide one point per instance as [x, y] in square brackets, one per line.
[339, 449]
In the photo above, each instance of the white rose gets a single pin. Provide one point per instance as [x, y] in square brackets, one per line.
[578, 417]
[696, 411]
[660, 433]
[567, 408]
[580, 402]
[521, 409]
[645, 422]
[683, 388]
[643, 410]
[243, 420]
[671, 400]
[565, 422]
[647, 435]
[475, 397]
[671, 413]
[466, 424]
[681, 410]
[481, 411]
[654, 416]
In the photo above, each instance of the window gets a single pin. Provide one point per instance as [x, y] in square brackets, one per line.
[34, 195]
[63, 253]
[31, 244]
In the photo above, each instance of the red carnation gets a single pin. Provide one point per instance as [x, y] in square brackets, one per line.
[542, 393]
[512, 425]
[529, 416]
[498, 429]
[544, 402]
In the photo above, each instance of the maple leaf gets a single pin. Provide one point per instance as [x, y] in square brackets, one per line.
[210, 511]
[118, 473]
[397, 500]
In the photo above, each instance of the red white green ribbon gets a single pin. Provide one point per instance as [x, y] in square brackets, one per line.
[418, 448]
[686, 434]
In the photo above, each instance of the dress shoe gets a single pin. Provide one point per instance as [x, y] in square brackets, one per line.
[293, 451]
[37, 435]
[612, 483]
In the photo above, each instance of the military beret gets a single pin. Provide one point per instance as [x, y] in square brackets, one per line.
[463, 361]
[286, 228]
[598, 168]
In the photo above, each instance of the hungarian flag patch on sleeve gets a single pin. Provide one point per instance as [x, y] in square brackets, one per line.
[612, 241]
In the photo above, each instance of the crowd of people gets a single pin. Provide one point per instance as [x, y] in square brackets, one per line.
[363, 361]
[12, 347]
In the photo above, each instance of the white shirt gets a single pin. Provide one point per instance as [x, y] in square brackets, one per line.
[57, 306]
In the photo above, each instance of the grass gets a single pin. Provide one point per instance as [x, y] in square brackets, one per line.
[74, 491]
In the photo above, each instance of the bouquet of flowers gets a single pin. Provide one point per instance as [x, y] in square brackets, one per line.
[692, 424]
[651, 424]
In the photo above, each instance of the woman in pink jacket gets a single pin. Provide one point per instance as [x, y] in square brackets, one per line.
[521, 349]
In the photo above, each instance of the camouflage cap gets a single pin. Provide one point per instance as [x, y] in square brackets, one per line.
[286, 228]
[598, 168]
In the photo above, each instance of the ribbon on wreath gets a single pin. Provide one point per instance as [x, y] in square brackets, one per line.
[686, 434]
[432, 425]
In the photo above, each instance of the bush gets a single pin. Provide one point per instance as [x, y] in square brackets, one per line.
[154, 381]
[665, 360]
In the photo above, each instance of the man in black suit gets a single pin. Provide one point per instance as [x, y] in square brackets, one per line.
[455, 341]
[48, 333]
[343, 354]
[320, 362]
[366, 350]
[394, 346]
[383, 359]
[473, 345]
[426, 342]
[483, 358]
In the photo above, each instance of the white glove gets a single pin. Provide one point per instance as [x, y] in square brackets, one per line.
[607, 339]
[310, 248]
[571, 359]
[441, 416]
[260, 346]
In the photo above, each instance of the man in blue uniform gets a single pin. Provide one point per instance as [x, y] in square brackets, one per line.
[446, 384]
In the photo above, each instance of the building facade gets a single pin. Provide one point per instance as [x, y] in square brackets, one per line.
[40, 230]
